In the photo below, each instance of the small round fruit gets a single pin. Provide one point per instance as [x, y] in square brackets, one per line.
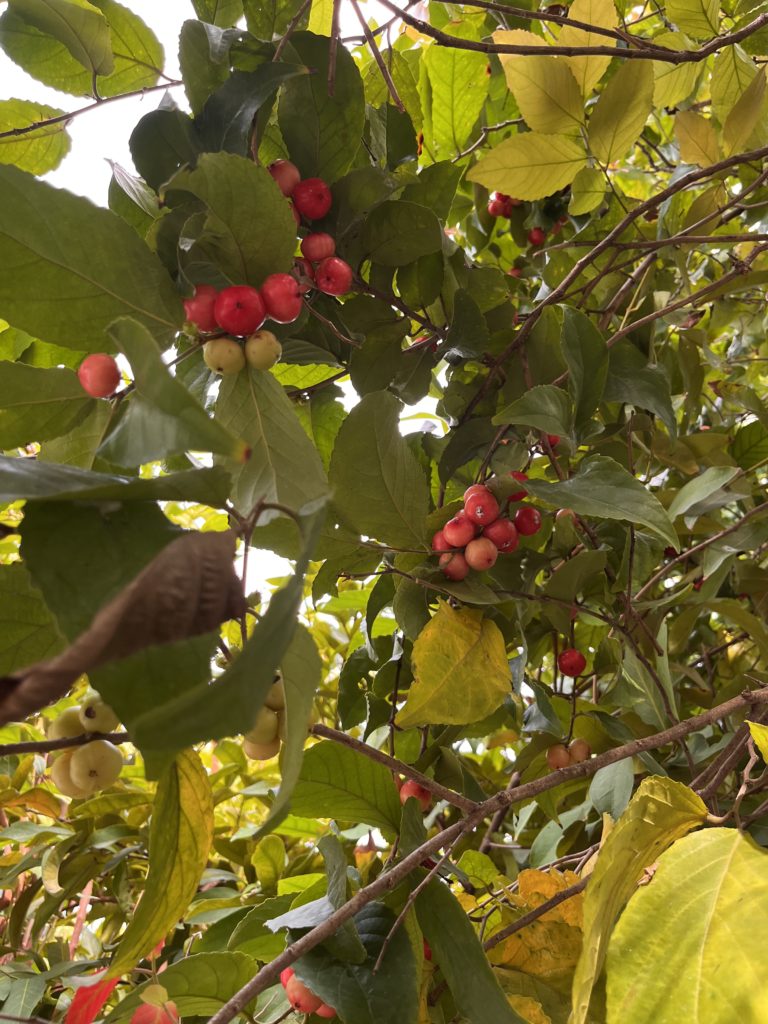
[276, 696]
[265, 727]
[558, 756]
[325, 1011]
[150, 1013]
[99, 375]
[304, 273]
[454, 565]
[528, 520]
[285, 975]
[239, 310]
[571, 662]
[516, 474]
[318, 246]
[553, 440]
[515, 272]
[411, 788]
[503, 533]
[579, 750]
[262, 350]
[482, 508]
[96, 716]
[536, 236]
[481, 554]
[66, 725]
[312, 198]
[199, 309]
[281, 297]
[224, 356]
[61, 776]
[474, 489]
[496, 205]
[439, 542]
[333, 276]
[300, 997]
[261, 751]
[286, 174]
[565, 513]
[96, 765]
[427, 950]
[458, 531]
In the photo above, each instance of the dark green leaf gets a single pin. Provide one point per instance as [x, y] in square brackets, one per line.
[269, 18]
[28, 632]
[586, 354]
[224, 13]
[435, 188]
[750, 444]
[468, 334]
[251, 935]
[163, 141]
[631, 380]
[398, 232]
[36, 405]
[203, 59]
[545, 407]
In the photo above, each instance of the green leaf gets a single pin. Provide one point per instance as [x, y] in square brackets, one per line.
[750, 444]
[673, 82]
[732, 73]
[435, 188]
[531, 165]
[204, 60]
[586, 355]
[239, 195]
[544, 87]
[269, 18]
[611, 788]
[162, 418]
[457, 951]
[468, 336]
[37, 404]
[339, 783]
[631, 380]
[745, 115]
[377, 482]
[398, 232]
[251, 935]
[179, 843]
[224, 13]
[162, 142]
[23, 995]
[605, 489]
[322, 132]
[77, 24]
[104, 270]
[660, 812]
[37, 151]
[589, 69]
[587, 191]
[700, 488]
[28, 632]
[544, 407]
[699, 18]
[700, 920]
[459, 87]
[621, 111]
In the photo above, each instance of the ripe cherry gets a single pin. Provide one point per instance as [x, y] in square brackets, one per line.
[474, 489]
[458, 531]
[481, 553]
[318, 246]
[148, 1013]
[558, 756]
[300, 997]
[516, 474]
[571, 662]
[427, 950]
[439, 543]
[239, 310]
[482, 508]
[99, 375]
[199, 309]
[553, 440]
[454, 565]
[411, 788]
[285, 975]
[528, 520]
[536, 236]
[286, 174]
[312, 198]
[326, 1011]
[579, 750]
[281, 297]
[496, 205]
[333, 276]
[515, 272]
[503, 533]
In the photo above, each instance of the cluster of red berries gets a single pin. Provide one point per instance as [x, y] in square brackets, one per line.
[501, 205]
[477, 534]
[302, 998]
[560, 756]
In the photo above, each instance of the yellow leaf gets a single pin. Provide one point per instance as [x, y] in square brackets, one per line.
[732, 73]
[699, 18]
[744, 117]
[673, 82]
[536, 887]
[321, 17]
[621, 112]
[588, 70]
[691, 945]
[544, 87]
[697, 139]
[759, 735]
[531, 165]
[660, 812]
[461, 673]
[587, 191]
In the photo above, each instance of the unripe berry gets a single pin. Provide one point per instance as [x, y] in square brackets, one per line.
[262, 350]
[264, 729]
[439, 543]
[223, 355]
[96, 716]
[239, 310]
[199, 309]
[482, 508]
[66, 725]
[312, 198]
[536, 236]
[96, 765]
[571, 662]
[558, 756]
[411, 788]
[275, 699]
[528, 520]
[516, 474]
[579, 750]
[61, 776]
[458, 531]
[333, 276]
[318, 246]
[286, 174]
[281, 297]
[454, 566]
[300, 997]
[503, 533]
[481, 554]
[99, 375]
[261, 751]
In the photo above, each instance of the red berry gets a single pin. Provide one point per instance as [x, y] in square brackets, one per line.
[439, 543]
[458, 531]
[286, 175]
[518, 495]
[454, 565]
[670, 552]
[571, 662]
[481, 553]
[558, 756]
[312, 198]
[300, 997]
[528, 520]
[412, 788]
[281, 297]
[536, 236]
[515, 272]
[698, 584]
[285, 975]
[304, 273]
[503, 533]
[99, 375]
[333, 276]
[148, 1013]
[427, 950]
[318, 246]
[474, 489]
[482, 508]
[553, 439]
[199, 309]
[239, 310]
[324, 1010]
[496, 206]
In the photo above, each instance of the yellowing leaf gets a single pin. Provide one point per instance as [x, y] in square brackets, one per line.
[744, 117]
[699, 18]
[544, 87]
[321, 17]
[660, 812]
[587, 191]
[460, 667]
[732, 74]
[621, 112]
[588, 70]
[759, 735]
[38, 151]
[531, 165]
[673, 82]
[536, 887]
[697, 139]
[691, 945]
[179, 842]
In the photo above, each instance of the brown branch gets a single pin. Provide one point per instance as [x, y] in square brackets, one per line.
[383, 69]
[536, 913]
[46, 746]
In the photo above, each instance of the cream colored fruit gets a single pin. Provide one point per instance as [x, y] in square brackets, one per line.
[96, 716]
[265, 727]
[67, 725]
[261, 751]
[276, 696]
[223, 355]
[262, 350]
[96, 765]
[61, 776]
